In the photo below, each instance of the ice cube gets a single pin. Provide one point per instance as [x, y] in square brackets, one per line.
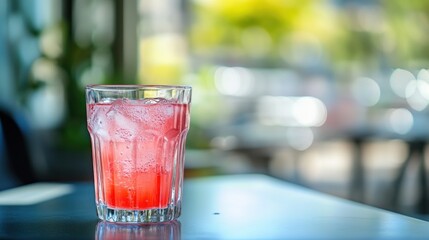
[130, 109]
[167, 110]
[98, 120]
[158, 115]
[106, 100]
[124, 134]
[110, 114]
[151, 100]
[123, 127]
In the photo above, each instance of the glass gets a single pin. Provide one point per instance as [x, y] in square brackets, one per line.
[138, 135]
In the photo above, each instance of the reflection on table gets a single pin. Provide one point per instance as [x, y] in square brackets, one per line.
[168, 230]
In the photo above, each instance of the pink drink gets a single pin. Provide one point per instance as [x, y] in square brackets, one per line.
[138, 145]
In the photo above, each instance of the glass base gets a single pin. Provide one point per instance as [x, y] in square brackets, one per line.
[138, 216]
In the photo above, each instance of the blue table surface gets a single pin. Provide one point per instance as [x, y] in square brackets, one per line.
[221, 207]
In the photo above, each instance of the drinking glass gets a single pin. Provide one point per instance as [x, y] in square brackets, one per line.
[138, 135]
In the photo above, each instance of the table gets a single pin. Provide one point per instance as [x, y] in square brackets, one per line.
[248, 206]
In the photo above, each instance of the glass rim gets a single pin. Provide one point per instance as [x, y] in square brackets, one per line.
[110, 87]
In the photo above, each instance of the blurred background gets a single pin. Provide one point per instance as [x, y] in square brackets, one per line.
[328, 94]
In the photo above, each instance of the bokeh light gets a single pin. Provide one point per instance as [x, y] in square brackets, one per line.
[423, 75]
[300, 138]
[309, 111]
[366, 91]
[399, 81]
[400, 120]
[234, 81]
[291, 111]
[417, 94]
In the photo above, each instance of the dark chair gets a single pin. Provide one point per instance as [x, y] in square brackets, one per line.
[16, 164]
[416, 152]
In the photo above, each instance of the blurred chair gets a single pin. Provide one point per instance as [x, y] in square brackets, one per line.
[16, 164]
[416, 151]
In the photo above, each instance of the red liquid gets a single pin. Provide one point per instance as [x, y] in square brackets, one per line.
[138, 152]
